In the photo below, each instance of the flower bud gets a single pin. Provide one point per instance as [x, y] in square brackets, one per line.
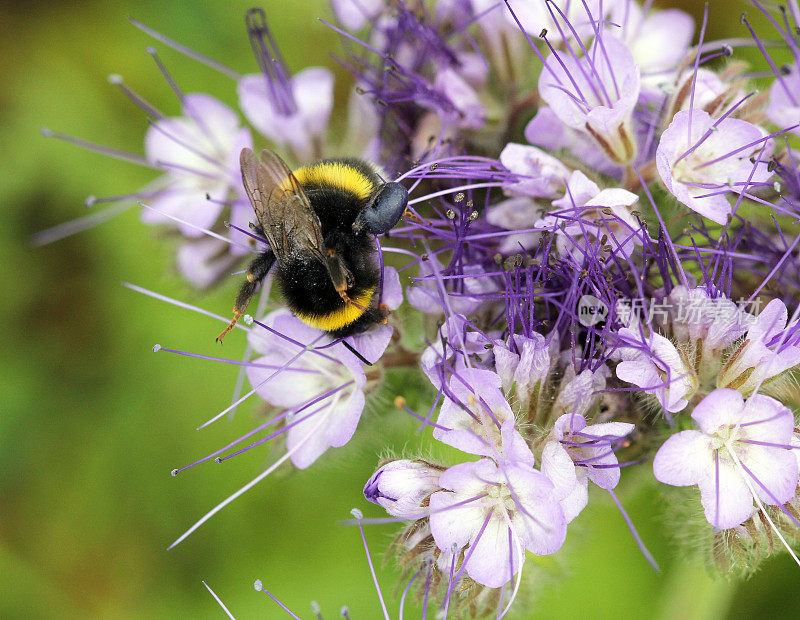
[402, 486]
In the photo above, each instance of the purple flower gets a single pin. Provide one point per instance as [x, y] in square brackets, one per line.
[583, 218]
[596, 94]
[658, 40]
[711, 93]
[455, 337]
[200, 152]
[291, 111]
[325, 383]
[301, 129]
[577, 453]
[578, 392]
[784, 100]
[546, 130]
[656, 366]
[363, 128]
[770, 348]
[699, 169]
[401, 486]
[518, 213]
[535, 16]
[469, 111]
[474, 412]
[333, 375]
[741, 448]
[525, 368]
[709, 323]
[204, 261]
[493, 513]
[353, 14]
[431, 294]
[540, 175]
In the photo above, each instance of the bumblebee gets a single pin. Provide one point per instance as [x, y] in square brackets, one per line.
[320, 222]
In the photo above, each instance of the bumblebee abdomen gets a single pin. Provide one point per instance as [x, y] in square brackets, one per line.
[309, 293]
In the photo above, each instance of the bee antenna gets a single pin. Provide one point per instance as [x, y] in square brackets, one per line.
[350, 348]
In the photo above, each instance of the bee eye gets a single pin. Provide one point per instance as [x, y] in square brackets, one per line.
[384, 210]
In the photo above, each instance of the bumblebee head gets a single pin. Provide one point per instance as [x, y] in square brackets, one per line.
[383, 211]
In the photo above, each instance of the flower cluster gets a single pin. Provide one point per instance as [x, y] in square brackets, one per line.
[563, 160]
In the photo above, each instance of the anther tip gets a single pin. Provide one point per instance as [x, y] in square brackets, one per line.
[156, 348]
[399, 402]
[344, 611]
[151, 50]
[247, 319]
[115, 78]
[46, 132]
[173, 473]
[217, 460]
[258, 585]
[315, 608]
[90, 201]
[226, 223]
[357, 513]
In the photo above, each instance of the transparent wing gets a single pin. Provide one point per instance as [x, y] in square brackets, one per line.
[281, 206]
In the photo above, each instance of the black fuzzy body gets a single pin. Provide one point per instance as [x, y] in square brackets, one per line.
[305, 282]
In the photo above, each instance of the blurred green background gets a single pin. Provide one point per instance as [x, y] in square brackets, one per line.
[92, 422]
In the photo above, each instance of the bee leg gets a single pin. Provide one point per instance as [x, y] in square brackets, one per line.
[340, 275]
[257, 271]
[384, 312]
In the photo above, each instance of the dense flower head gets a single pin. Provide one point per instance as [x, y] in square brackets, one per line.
[599, 257]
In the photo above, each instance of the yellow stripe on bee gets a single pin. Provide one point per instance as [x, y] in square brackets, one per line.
[349, 313]
[336, 174]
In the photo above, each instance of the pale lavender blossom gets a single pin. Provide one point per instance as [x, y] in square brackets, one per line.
[596, 94]
[576, 453]
[333, 372]
[574, 221]
[784, 100]
[474, 412]
[302, 128]
[524, 364]
[469, 112]
[519, 213]
[455, 337]
[574, 18]
[326, 383]
[659, 39]
[654, 364]
[547, 131]
[578, 391]
[200, 152]
[701, 167]
[770, 348]
[743, 448]
[354, 14]
[710, 323]
[290, 110]
[204, 261]
[710, 90]
[493, 514]
[540, 175]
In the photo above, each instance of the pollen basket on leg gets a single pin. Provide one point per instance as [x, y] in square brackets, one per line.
[341, 317]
